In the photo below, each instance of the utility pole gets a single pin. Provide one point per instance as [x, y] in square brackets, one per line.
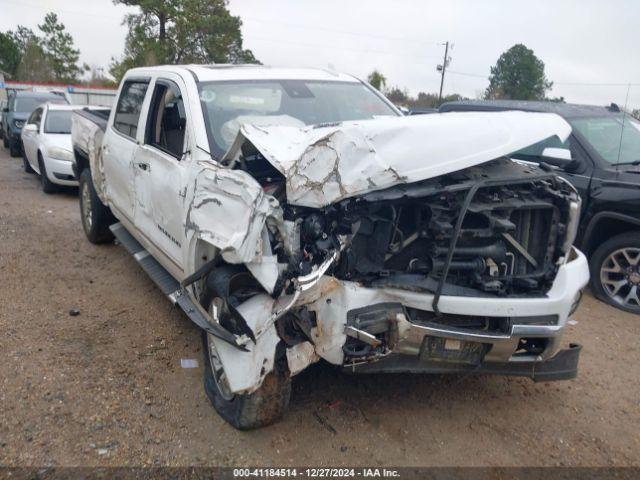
[442, 68]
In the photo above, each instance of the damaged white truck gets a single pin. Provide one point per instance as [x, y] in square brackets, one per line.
[296, 215]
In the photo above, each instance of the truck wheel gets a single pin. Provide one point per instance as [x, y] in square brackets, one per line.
[14, 147]
[244, 411]
[615, 272]
[47, 185]
[96, 216]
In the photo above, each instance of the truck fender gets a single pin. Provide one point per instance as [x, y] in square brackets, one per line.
[228, 209]
[245, 371]
[592, 228]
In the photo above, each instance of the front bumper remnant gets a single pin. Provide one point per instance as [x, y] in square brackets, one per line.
[562, 366]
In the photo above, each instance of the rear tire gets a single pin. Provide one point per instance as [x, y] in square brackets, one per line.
[615, 272]
[47, 186]
[96, 216]
[244, 411]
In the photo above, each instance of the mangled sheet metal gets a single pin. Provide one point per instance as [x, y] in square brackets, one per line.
[228, 209]
[375, 252]
[325, 164]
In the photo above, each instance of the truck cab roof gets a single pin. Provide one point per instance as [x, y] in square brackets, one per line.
[221, 72]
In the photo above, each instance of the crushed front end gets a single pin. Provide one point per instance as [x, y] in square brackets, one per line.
[470, 270]
[417, 288]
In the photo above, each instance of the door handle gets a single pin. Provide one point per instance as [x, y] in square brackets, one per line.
[143, 166]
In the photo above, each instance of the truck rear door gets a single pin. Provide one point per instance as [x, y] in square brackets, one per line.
[120, 143]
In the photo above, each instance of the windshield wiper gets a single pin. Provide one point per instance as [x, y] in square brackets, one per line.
[634, 163]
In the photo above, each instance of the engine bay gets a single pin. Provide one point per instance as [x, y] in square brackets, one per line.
[508, 243]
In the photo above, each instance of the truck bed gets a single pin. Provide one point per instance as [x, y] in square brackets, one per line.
[98, 115]
[85, 124]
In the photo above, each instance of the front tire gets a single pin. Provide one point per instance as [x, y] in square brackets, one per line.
[26, 165]
[615, 272]
[47, 185]
[244, 411]
[14, 147]
[96, 216]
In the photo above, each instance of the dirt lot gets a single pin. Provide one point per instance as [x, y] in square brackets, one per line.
[106, 387]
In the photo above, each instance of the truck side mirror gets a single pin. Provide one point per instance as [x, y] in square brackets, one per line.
[5, 110]
[561, 158]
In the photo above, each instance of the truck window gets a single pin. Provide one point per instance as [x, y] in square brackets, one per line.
[167, 119]
[129, 107]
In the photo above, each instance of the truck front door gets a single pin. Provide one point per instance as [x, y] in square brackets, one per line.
[160, 165]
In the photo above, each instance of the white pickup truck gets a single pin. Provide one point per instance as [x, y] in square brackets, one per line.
[297, 215]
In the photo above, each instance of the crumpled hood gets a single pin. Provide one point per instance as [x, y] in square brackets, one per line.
[325, 164]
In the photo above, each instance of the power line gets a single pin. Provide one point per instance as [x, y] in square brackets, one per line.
[469, 74]
[329, 47]
[586, 84]
[344, 32]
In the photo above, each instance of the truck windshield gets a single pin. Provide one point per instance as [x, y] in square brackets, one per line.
[58, 121]
[615, 141]
[227, 105]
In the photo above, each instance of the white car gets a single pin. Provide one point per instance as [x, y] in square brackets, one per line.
[47, 150]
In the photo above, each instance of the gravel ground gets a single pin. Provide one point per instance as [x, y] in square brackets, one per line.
[106, 387]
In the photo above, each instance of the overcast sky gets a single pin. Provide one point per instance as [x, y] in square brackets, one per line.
[586, 45]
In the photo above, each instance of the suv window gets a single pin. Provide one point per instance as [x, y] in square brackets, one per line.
[129, 107]
[167, 119]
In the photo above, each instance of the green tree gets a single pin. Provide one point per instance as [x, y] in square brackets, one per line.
[35, 65]
[9, 54]
[397, 96]
[377, 80]
[23, 36]
[518, 75]
[181, 31]
[58, 46]
[95, 77]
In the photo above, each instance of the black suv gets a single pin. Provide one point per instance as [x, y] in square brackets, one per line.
[601, 159]
[17, 111]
